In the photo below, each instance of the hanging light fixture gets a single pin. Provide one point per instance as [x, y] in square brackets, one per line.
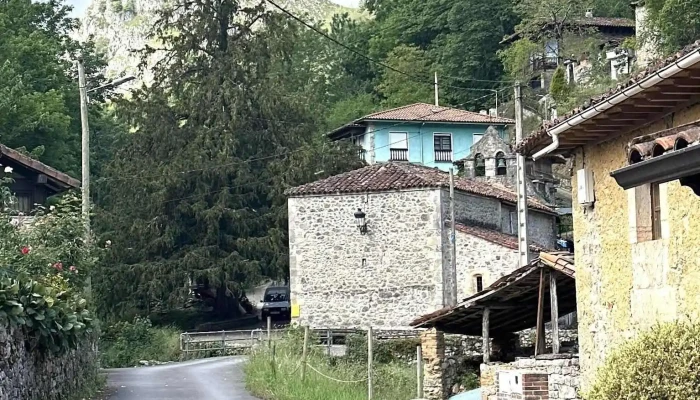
[360, 221]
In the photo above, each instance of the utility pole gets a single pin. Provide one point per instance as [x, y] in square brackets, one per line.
[437, 99]
[523, 248]
[85, 147]
[453, 239]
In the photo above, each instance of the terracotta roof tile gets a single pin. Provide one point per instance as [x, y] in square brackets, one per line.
[606, 21]
[496, 237]
[398, 176]
[53, 174]
[427, 112]
[539, 136]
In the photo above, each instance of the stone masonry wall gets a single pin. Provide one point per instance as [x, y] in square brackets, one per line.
[386, 278]
[625, 286]
[563, 376]
[26, 375]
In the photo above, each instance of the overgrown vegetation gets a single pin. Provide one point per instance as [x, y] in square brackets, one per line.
[42, 272]
[125, 344]
[660, 364]
[280, 378]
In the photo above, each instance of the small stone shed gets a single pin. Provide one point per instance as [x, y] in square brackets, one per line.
[518, 301]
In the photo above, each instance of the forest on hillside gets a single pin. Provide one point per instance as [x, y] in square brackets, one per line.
[189, 171]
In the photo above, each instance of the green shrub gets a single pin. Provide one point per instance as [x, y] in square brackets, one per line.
[663, 363]
[124, 344]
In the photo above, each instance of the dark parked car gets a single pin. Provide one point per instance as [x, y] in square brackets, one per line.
[276, 303]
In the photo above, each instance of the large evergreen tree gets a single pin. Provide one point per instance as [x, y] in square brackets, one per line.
[196, 196]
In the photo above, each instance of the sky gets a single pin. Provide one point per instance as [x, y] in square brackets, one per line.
[80, 5]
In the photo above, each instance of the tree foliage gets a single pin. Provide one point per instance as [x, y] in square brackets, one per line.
[672, 24]
[234, 117]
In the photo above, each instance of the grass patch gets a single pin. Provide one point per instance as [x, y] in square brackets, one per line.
[124, 344]
[281, 379]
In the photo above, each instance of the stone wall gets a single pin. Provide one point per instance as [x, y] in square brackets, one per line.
[542, 228]
[386, 278]
[625, 286]
[563, 376]
[31, 375]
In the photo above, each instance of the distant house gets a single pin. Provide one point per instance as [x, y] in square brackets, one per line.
[34, 181]
[612, 32]
[372, 246]
[419, 133]
[636, 189]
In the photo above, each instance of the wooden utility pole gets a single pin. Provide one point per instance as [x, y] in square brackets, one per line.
[304, 353]
[85, 189]
[419, 372]
[485, 336]
[370, 360]
[523, 248]
[437, 94]
[453, 238]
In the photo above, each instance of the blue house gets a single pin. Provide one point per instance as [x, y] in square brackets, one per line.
[419, 133]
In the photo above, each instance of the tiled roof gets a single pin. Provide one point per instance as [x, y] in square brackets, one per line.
[541, 134]
[606, 21]
[398, 176]
[496, 237]
[427, 112]
[62, 179]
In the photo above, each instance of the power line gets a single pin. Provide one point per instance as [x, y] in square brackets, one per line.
[366, 57]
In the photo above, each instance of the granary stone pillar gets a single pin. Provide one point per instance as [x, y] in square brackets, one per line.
[434, 382]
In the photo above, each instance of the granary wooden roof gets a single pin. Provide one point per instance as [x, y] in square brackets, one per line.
[512, 300]
[58, 180]
[661, 89]
[400, 176]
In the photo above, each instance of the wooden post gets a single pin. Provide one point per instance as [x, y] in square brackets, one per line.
[540, 342]
[269, 331]
[329, 341]
[555, 312]
[419, 371]
[223, 343]
[274, 361]
[486, 340]
[370, 359]
[304, 353]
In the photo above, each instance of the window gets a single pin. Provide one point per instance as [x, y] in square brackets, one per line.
[478, 283]
[647, 209]
[501, 168]
[655, 212]
[443, 147]
[476, 137]
[398, 146]
[479, 165]
[25, 202]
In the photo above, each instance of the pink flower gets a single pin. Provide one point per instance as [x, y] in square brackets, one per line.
[58, 266]
[73, 269]
[25, 250]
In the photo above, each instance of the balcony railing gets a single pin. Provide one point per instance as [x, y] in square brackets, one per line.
[443, 155]
[362, 153]
[398, 154]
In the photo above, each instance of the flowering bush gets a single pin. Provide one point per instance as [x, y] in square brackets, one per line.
[43, 268]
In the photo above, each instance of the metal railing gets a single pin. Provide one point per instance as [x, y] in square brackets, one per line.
[398, 154]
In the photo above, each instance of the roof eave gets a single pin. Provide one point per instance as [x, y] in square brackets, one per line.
[669, 167]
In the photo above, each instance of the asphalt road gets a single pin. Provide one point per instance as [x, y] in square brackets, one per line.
[218, 378]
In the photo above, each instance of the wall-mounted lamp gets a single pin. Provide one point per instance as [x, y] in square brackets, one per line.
[361, 222]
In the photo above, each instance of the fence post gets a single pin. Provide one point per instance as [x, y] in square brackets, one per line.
[223, 343]
[329, 342]
[269, 331]
[274, 362]
[419, 371]
[304, 353]
[370, 359]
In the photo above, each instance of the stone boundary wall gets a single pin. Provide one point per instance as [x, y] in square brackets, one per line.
[33, 375]
[563, 373]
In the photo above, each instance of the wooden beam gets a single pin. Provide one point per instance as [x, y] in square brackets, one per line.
[539, 336]
[485, 339]
[554, 307]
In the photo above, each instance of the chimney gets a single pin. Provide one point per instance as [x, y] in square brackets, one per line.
[589, 13]
[646, 41]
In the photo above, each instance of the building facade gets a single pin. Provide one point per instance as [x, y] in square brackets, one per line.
[400, 266]
[419, 133]
[636, 213]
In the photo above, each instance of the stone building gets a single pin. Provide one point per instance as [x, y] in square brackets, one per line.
[395, 263]
[637, 212]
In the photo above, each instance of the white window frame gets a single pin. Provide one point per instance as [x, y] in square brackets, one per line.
[452, 143]
[391, 141]
[474, 136]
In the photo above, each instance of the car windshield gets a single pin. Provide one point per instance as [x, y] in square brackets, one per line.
[275, 297]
